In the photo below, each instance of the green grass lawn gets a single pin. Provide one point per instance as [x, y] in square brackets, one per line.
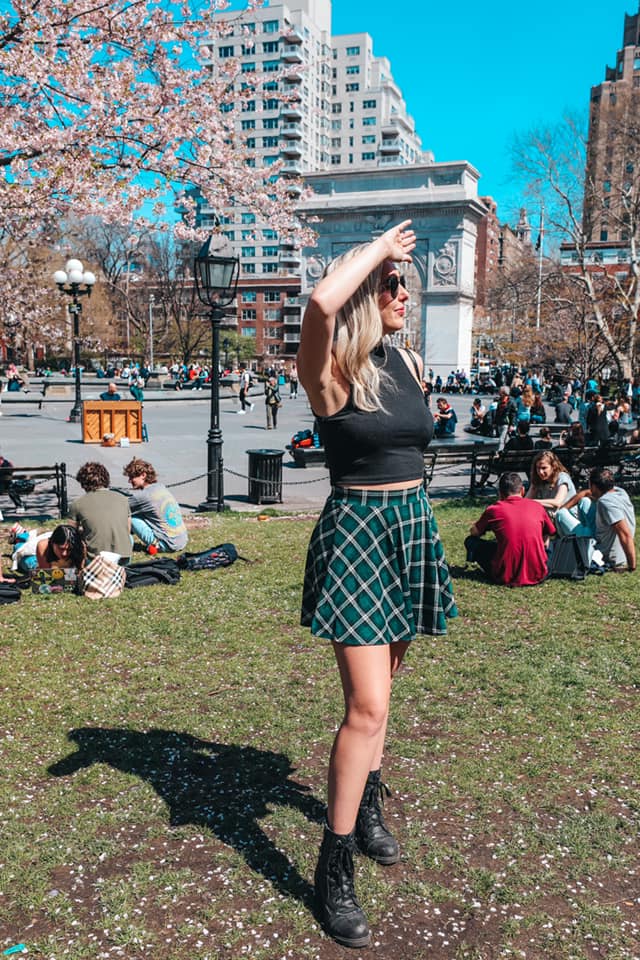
[164, 759]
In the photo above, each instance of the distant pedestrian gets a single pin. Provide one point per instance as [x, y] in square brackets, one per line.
[245, 383]
[293, 382]
[272, 402]
[111, 393]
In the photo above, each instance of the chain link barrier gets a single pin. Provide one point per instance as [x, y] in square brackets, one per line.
[234, 473]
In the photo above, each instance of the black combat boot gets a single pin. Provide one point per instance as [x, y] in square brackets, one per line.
[338, 910]
[372, 834]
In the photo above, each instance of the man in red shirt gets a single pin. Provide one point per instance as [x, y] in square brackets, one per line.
[517, 557]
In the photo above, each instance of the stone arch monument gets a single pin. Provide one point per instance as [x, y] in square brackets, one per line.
[441, 199]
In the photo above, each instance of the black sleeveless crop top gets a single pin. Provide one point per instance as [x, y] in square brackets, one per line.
[386, 446]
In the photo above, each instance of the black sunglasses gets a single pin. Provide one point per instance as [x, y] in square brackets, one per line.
[392, 283]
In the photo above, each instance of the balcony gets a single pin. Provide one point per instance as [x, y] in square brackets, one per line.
[291, 53]
[390, 146]
[291, 169]
[389, 128]
[291, 259]
[292, 338]
[293, 131]
[292, 78]
[294, 189]
[291, 35]
[290, 148]
[291, 111]
[292, 306]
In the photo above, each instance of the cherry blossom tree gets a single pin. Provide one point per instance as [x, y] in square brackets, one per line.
[107, 109]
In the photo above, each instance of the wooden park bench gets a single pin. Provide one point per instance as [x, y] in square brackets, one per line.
[25, 480]
[613, 456]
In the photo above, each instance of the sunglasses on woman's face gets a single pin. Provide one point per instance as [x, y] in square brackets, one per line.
[392, 283]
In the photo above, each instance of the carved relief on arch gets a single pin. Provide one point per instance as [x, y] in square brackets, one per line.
[445, 265]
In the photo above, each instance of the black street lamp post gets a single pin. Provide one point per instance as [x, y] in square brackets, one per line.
[76, 282]
[216, 273]
[225, 347]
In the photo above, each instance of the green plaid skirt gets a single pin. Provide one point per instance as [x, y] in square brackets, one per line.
[376, 571]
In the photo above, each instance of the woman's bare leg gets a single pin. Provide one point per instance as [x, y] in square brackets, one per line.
[366, 674]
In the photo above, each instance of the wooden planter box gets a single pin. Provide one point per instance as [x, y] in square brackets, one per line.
[122, 418]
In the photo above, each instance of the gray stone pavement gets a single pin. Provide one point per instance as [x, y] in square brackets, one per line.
[178, 424]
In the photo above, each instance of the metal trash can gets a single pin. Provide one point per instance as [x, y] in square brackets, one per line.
[265, 476]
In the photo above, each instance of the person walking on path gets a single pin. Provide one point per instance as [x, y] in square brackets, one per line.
[375, 573]
[272, 401]
[245, 383]
[293, 382]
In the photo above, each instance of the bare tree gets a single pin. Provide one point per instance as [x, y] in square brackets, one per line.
[554, 163]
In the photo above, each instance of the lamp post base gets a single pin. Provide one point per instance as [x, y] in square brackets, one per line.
[212, 506]
[75, 416]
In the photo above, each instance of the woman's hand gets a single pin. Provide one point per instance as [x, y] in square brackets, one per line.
[399, 242]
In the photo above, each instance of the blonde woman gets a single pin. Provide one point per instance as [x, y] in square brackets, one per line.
[549, 482]
[376, 574]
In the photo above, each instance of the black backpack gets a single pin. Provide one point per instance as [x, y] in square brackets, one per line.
[221, 556]
[570, 558]
[150, 572]
[9, 593]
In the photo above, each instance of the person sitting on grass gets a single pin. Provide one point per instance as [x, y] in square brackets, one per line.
[101, 514]
[549, 482]
[63, 548]
[155, 514]
[518, 555]
[604, 511]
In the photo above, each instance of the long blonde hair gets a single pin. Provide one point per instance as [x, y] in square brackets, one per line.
[358, 332]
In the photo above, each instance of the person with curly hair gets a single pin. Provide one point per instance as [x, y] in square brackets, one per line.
[156, 518]
[101, 514]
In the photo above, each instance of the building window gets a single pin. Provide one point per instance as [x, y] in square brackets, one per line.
[248, 251]
[229, 234]
[269, 141]
[336, 141]
[270, 123]
[606, 186]
[248, 332]
[248, 218]
[270, 85]
[271, 104]
[604, 236]
[369, 104]
[250, 142]
[351, 88]
[368, 121]
[369, 138]
[271, 26]
[353, 51]
[368, 155]
[249, 267]
[225, 51]
[249, 296]
[269, 234]
[250, 162]
[270, 267]
[249, 106]
[246, 234]
[336, 124]
[248, 124]
[248, 67]
[353, 70]
[272, 314]
[336, 108]
[250, 314]
[269, 251]
[271, 66]
[269, 160]
[335, 159]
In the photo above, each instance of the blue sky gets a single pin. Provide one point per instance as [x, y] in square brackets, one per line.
[474, 74]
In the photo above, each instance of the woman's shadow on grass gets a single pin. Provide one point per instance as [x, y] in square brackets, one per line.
[224, 787]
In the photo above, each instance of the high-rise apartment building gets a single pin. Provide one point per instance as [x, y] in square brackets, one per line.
[341, 109]
[613, 152]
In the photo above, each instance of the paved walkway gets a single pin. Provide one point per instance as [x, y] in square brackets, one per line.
[178, 429]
